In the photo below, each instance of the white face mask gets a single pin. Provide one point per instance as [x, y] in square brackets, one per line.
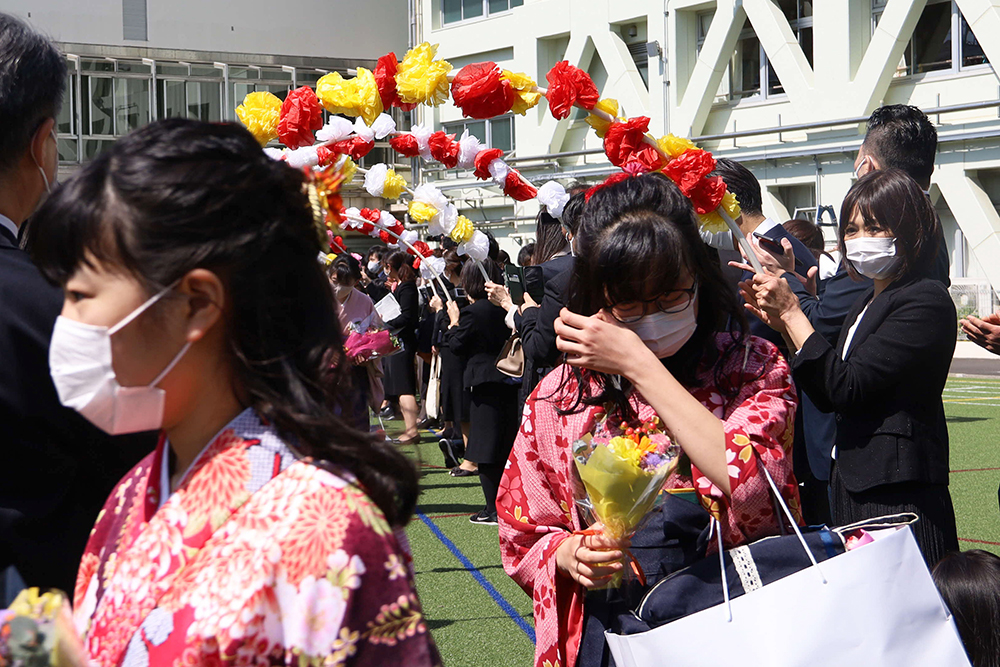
[861, 164]
[41, 170]
[665, 333]
[342, 292]
[81, 368]
[373, 267]
[873, 258]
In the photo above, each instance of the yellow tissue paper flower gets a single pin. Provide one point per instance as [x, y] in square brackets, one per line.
[675, 146]
[463, 230]
[421, 212]
[394, 185]
[422, 80]
[599, 124]
[348, 170]
[523, 85]
[260, 113]
[353, 97]
[731, 205]
[712, 222]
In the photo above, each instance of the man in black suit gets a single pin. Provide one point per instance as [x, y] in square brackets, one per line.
[58, 469]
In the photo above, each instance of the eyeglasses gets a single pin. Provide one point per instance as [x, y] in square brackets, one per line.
[674, 301]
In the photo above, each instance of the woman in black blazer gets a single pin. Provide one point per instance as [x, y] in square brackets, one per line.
[477, 334]
[885, 377]
[400, 369]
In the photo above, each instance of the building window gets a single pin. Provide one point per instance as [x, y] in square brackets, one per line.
[453, 11]
[941, 42]
[751, 72]
[494, 133]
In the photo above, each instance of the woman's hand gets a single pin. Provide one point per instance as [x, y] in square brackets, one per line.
[600, 343]
[528, 302]
[499, 295]
[435, 304]
[590, 560]
[775, 298]
[453, 313]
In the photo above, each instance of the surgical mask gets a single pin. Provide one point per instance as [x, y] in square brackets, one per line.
[666, 333]
[81, 368]
[373, 267]
[873, 257]
[41, 170]
[342, 292]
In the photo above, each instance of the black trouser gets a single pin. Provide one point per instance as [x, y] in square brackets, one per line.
[489, 478]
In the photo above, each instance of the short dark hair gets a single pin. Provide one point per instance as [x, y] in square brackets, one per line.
[742, 183]
[473, 281]
[503, 258]
[453, 262]
[525, 255]
[32, 79]
[901, 136]
[890, 199]
[969, 582]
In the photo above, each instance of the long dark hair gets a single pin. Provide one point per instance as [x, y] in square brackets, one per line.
[636, 238]
[402, 264]
[550, 236]
[970, 583]
[178, 195]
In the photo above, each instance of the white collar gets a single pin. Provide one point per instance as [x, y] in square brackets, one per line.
[766, 226]
[9, 224]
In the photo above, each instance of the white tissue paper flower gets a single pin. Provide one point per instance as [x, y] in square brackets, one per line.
[478, 247]
[336, 129]
[352, 218]
[362, 130]
[554, 196]
[431, 267]
[275, 153]
[422, 135]
[468, 148]
[499, 170]
[375, 179]
[302, 157]
[383, 126]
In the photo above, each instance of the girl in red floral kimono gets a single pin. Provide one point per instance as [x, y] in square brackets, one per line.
[262, 530]
[641, 340]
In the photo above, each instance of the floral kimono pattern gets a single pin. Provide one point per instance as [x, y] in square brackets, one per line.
[258, 558]
[536, 506]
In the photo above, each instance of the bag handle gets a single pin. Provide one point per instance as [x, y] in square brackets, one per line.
[716, 526]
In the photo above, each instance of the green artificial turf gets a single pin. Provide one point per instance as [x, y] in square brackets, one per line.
[472, 630]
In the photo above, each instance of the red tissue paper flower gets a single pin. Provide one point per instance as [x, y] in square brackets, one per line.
[371, 214]
[301, 116]
[644, 160]
[384, 236]
[479, 91]
[406, 145]
[416, 263]
[483, 161]
[356, 147]
[423, 249]
[336, 243]
[689, 168]
[385, 79]
[610, 180]
[707, 194]
[444, 149]
[326, 156]
[624, 139]
[569, 85]
[397, 228]
[515, 187]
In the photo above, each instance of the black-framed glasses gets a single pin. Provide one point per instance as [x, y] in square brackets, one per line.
[674, 301]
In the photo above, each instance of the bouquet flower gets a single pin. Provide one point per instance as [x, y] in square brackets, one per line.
[37, 631]
[365, 343]
[621, 473]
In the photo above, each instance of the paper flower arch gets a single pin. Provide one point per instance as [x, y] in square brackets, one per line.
[480, 90]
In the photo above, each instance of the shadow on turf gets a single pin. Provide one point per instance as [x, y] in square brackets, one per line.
[436, 624]
[443, 570]
[963, 420]
[448, 508]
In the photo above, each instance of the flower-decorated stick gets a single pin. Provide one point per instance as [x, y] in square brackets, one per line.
[742, 240]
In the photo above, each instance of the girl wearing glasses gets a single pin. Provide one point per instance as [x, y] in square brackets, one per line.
[641, 339]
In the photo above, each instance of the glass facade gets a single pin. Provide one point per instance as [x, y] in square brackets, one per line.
[453, 11]
[494, 133]
[107, 98]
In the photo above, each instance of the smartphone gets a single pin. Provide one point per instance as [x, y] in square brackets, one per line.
[772, 246]
[534, 282]
[514, 280]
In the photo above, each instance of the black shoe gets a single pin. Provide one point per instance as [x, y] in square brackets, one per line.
[387, 413]
[459, 471]
[483, 518]
[449, 457]
[429, 424]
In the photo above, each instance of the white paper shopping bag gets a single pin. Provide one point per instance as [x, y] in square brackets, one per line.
[878, 606]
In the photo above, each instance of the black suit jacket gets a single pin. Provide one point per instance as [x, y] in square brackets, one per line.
[887, 393]
[478, 340]
[805, 261]
[405, 326]
[537, 325]
[57, 469]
